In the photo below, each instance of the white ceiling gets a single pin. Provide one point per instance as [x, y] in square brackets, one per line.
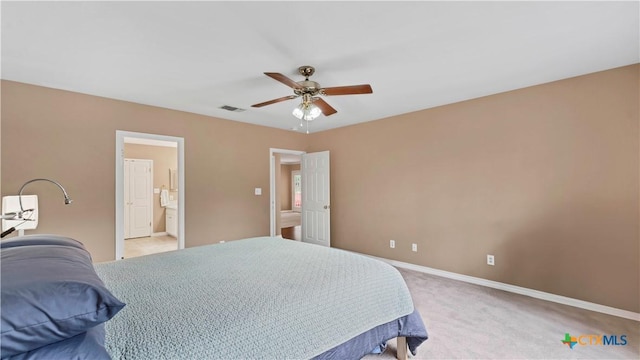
[198, 56]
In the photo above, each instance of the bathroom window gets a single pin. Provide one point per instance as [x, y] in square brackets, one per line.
[296, 190]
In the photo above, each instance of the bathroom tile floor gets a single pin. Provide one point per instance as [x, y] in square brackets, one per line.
[149, 245]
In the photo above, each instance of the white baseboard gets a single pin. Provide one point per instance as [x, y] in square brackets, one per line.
[516, 289]
[162, 233]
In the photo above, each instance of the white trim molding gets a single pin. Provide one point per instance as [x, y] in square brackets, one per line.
[515, 289]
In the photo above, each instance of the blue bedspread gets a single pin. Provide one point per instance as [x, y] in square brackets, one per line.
[255, 298]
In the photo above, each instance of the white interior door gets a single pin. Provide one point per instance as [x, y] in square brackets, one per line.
[316, 208]
[138, 198]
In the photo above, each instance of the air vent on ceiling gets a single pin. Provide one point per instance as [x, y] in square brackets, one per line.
[231, 108]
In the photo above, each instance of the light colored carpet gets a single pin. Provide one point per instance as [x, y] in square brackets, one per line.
[467, 321]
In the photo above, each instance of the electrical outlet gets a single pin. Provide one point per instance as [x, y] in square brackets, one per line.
[392, 244]
[414, 247]
[490, 260]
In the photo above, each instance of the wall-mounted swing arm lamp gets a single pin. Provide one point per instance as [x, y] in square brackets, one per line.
[67, 199]
[19, 215]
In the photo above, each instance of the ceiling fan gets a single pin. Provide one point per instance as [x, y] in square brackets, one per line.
[312, 105]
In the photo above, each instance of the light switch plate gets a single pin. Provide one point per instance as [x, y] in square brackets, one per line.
[258, 191]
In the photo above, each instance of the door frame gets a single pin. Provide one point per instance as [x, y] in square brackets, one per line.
[119, 181]
[272, 184]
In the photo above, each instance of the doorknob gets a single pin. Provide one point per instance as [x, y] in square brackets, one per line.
[327, 207]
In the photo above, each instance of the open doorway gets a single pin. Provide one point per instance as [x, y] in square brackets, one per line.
[286, 219]
[315, 207]
[289, 190]
[164, 194]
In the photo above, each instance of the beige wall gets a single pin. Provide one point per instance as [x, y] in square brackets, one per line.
[545, 178]
[164, 158]
[71, 138]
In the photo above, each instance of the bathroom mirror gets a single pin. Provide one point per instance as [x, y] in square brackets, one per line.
[173, 180]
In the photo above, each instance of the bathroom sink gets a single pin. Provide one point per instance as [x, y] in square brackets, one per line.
[173, 204]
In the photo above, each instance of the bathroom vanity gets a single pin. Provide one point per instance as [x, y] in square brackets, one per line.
[171, 221]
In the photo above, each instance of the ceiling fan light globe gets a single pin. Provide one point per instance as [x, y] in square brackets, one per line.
[298, 112]
[313, 112]
[306, 112]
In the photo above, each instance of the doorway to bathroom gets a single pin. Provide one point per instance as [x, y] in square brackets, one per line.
[300, 208]
[289, 196]
[162, 192]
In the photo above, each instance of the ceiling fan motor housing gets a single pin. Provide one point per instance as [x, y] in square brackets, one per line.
[308, 87]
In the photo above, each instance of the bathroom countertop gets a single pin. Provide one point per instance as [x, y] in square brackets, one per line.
[172, 205]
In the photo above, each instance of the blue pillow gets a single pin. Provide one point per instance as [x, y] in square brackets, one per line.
[88, 345]
[49, 293]
[40, 239]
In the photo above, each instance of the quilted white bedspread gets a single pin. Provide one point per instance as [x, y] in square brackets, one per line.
[255, 298]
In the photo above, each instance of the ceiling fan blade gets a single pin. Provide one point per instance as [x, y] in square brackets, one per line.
[348, 90]
[283, 79]
[285, 98]
[326, 108]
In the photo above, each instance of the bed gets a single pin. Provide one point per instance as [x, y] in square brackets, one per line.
[257, 298]
[290, 218]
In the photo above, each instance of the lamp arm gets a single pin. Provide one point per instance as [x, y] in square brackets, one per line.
[67, 199]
